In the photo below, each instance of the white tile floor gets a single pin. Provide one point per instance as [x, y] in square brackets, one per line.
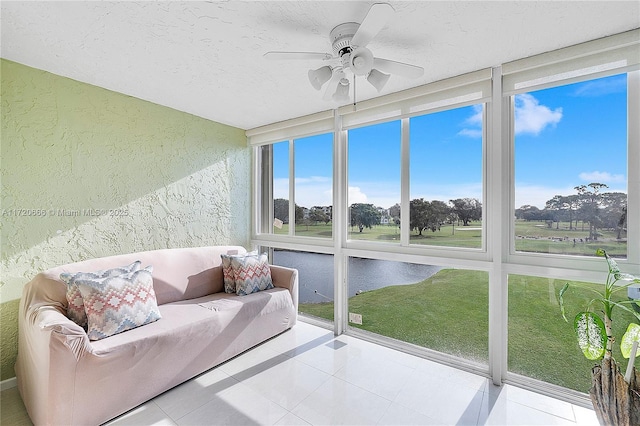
[307, 376]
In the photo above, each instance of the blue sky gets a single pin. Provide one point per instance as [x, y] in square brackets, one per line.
[565, 136]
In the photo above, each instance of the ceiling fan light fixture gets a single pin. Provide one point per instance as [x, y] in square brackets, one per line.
[342, 91]
[378, 79]
[320, 76]
[361, 61]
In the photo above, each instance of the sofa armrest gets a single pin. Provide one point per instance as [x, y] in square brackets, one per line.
[50, 346]
[48, 323]
[284, 277]
[43, 316]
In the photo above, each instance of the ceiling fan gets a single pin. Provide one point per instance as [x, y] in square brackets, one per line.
[350, 55]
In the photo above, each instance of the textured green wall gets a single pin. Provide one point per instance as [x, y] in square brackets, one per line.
[87, 172]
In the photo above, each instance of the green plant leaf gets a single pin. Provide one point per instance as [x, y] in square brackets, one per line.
[613, 266]
[631, 335]
[592, 336]
[627, 277]
[615, 270]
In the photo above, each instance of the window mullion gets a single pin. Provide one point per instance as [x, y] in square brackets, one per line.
[497, 179]
[340, 223]
[633, 168]
[292, 189]
[405, 194]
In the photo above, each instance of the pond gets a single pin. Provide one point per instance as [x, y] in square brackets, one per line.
[316, 274]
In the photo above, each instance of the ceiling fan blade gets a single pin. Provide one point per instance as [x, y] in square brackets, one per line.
[376, 18]
[333, 85]
[398, 68]
[298, 55]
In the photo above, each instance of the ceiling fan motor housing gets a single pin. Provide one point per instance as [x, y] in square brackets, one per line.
[341, 37]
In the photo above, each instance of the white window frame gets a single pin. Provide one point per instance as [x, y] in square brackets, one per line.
[607, 56]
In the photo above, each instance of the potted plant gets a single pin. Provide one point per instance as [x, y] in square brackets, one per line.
[615, 398]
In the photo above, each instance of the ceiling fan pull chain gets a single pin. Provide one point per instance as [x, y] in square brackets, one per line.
[354, 91]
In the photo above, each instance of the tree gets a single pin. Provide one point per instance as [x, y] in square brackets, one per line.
[622, 222]
[555, 206]
[613, 206]
[440, 213]
[316, 214]
[327, 211]
[528, 213]
[573, 202]
[419, 214]
[394, 212]
[300, 213]
[364, 215]
[281, 209]
[590, 200]
[467, 209]
[561, 207]
[427, 215]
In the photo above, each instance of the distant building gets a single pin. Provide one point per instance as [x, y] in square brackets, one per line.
[385, 217]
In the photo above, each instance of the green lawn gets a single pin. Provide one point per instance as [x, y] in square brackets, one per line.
[536, 237]
[458, 236]
[532, 236]
[448, 313]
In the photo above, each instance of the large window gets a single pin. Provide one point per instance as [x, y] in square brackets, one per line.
[459, 209]
[446, 178]
[426, 305]
[281, 188]
[313, 185]
[571, 168]
[541, 344]
[315, 277]
[374, 182]
[312, 177]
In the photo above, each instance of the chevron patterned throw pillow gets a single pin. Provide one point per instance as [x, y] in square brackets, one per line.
[228, 273]
[252, 273]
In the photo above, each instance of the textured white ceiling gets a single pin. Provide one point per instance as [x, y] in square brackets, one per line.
[205, 58]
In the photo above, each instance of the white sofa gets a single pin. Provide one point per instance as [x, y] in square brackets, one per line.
[66, 379]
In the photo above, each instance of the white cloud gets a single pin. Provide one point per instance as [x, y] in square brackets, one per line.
[281, 188]
[310, 191]
[379, 193]
[472, 133]
[476, 118]
[312, 179]
[601, 177]
[531, 117]
[602, 87]
[356, 195]
[475, 122]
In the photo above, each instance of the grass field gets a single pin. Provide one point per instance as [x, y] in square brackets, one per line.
[532, 236]
[448, 313]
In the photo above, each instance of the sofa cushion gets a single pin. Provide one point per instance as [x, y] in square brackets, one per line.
[118, 303]
[252, 273]
[213, 316]
[75, 307]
